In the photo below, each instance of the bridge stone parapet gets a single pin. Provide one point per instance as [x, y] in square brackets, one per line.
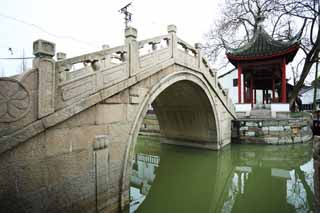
[68, 127]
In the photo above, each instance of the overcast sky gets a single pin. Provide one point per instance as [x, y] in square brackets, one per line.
[79, 27]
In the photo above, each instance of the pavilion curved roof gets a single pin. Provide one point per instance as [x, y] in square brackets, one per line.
[263, 46]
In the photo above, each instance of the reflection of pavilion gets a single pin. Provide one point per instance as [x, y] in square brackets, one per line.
[271, 180]
[241, 179]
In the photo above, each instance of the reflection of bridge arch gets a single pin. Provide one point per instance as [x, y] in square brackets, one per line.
[186, 78]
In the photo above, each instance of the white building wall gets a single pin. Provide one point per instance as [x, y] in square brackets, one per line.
[307, 97]
[227, 83]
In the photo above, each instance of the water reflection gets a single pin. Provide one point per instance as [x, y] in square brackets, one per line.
[143, 174]
[241, 178]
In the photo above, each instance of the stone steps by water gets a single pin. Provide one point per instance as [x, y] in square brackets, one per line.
[260, 113]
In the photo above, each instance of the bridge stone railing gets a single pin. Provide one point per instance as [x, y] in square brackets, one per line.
[99, 71]
[107, 67]
[52, 87]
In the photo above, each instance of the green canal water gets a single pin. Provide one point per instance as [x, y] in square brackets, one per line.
[240, 178]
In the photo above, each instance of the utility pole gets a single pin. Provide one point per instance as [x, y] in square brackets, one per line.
[23, 62]
[315, 84]
[127, 15]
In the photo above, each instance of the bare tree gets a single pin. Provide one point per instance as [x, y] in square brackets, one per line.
[309, 11]
[240, 20]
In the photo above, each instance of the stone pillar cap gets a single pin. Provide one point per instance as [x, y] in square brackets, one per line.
[198, 45]
[105, 46]
[131, 32]
[61, 55]
[43, 48]
[172, 28]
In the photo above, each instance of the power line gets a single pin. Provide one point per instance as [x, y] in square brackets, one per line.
[19, 58]
[45, 31]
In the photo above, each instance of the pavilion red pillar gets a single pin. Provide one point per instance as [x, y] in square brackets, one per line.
[283, 83]
[239, 83]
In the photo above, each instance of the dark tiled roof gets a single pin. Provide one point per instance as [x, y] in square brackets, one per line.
[261, 45]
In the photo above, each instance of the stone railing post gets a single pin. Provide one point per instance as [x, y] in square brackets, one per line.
[172, 30]
[44, 63]
[133, 54]
[198, 47]
[226, 92]
[107, 60]
[61, 56]
[62, 75]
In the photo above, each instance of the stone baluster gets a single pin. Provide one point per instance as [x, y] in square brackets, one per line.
[106, 63]
[214, 76]
[154, 45]
[44, 63]
[186, 49]
[61, 56]
[62, 74]
[172, 30]
[133, 54]
[226, 93]
[105, 46]
[154, 48]
[198, 47]
[96, 65]
[107, 59]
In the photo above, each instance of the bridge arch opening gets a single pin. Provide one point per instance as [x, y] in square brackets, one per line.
[187, 116]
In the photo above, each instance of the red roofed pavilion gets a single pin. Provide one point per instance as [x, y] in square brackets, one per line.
[262, 62]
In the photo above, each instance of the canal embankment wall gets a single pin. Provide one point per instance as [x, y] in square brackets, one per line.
[150, 125]
[272, 130]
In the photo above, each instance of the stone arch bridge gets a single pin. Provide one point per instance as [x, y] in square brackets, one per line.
[68, 127]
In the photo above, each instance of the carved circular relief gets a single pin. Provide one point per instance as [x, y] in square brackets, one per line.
[14, 100]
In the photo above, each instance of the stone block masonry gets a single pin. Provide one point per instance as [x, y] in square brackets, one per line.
[67, 137]
[277, 131]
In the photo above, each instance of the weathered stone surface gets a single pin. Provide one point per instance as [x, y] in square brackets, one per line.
[244, 128]
[46, 95]
[251, 134]
[14, 100]
[275, 128]
[273, 132]
[297, 139]
[265, 130]
[249, 124]
[53, 155]
[272, 140]
[270, 123]
[285, 140]
[286, 128]
[109, 113]
[42, 48]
